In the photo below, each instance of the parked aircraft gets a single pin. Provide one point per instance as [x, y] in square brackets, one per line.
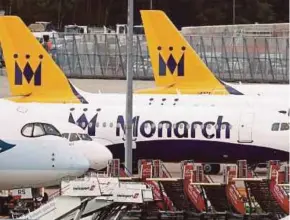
[34, 77]
[33, 153]
[97, 154]
[167, 127]
[177, 68]
[176, 133]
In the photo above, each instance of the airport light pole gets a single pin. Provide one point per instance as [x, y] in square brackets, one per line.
[129, 95]
[234, 11]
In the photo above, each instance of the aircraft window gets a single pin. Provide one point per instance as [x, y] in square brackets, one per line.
[65, 135]
[27, 130]
[90, 124]
[208, 126]
[74, 137]
[38, 130]
[51, 130]
[97, 124]
[85, 137]
[283, 112]
[284, 126]
[180, 126]
[275, 126]
[111, 124]
[104, 124]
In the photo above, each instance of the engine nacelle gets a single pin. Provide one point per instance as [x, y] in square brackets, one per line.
[213, 168]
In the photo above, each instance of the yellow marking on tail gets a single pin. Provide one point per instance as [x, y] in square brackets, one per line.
[32, 73]
[175, 63]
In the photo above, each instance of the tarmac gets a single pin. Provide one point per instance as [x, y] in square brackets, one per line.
[90, 85]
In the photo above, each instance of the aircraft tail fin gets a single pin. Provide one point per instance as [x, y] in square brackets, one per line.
[31, 71]
[174, 61]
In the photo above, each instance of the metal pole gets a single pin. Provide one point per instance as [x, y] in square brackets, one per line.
[234, 11]
[151, 5]
[129, 96]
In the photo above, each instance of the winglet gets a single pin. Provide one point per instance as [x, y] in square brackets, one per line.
[32, 73]
[174, 61]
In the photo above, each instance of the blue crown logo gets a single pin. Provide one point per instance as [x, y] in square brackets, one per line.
[84, 123]
[27, 72]
[171, 63]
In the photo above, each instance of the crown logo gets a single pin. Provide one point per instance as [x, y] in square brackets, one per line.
[171, 63]
[27, 72]
[84, 123]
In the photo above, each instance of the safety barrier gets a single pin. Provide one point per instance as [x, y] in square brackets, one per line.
[231, 58]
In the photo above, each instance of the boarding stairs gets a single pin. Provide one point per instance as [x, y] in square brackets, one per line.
[224, 197]
[87, 196]
[271, 197]
[149, 170]
[192, 173]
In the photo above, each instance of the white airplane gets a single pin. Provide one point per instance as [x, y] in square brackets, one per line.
[97, 154]
[33, 153]
[167, 127]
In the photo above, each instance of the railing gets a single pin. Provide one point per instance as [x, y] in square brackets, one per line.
[231, 58]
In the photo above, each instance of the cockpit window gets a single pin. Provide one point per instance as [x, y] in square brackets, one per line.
[65, 135]
[275, 126]
[39, 129]
[74, 137]
[284, 126]
[51, 130]
[27, 130]
[85, 137]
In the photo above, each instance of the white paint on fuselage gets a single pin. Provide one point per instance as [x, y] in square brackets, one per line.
[199, 109]
[33, 161]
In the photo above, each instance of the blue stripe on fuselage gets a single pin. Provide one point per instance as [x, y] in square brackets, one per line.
[203, 151]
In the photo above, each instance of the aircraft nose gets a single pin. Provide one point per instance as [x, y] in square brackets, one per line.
[105, 156]
[79, 164]
[97, 154]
